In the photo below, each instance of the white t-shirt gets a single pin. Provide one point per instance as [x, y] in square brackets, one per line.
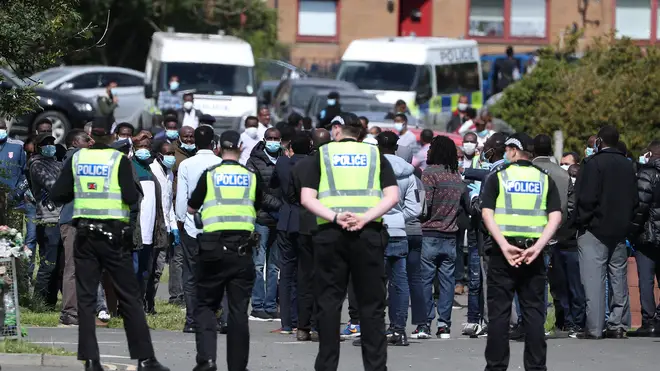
[407, 139]
[261, 131]
[190, 119]
[248, 145]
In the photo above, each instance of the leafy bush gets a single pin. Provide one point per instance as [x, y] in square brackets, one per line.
[615, 82]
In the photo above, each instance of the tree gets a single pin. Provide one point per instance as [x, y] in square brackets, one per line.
[34, 35]
[615, 82]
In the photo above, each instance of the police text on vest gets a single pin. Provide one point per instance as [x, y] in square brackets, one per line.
[523, 187]
[349, 160]
[231, 180]
[92, 170]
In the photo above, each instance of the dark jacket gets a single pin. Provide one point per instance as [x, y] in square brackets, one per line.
[327, 114]
[260, 163]
[307, 224]
[106, 107]
[645, 226]
[44, 172]
[66, 215]
[454, 123]
[289, 220]
[606, 191]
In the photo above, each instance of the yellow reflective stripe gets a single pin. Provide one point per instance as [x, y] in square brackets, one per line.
[102, 212]
[228, 219]
[112, 162]
[99, 195]
[508, 203]
[351, 192]
[522, 212]
[522, 229]
[332, 187]
[227, 202]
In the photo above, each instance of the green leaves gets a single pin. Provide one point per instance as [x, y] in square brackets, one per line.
[614, 83]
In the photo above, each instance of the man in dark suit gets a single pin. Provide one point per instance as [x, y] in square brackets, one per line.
[288, 228]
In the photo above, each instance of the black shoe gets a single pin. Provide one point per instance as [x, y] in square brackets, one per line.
[574, 332]
[399, 339]
[444, 332]
[259, 315]
[91, 365]
[357, 342]
[189, 329]
[618, 333]
[151, 364]
[314, 335]
[303, 335]
[585, 335]
[206, 366]
[223, 328]
[273, 315]
[68, 320]
[517, 333]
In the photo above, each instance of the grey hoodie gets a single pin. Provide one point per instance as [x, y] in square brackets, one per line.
[407, 208]
[43, 172]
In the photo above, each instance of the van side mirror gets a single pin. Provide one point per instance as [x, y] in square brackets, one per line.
[148, 91]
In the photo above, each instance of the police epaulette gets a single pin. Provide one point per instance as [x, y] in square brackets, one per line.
[544, 171]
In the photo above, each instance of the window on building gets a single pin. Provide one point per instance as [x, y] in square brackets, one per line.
[317, 19]
[633, 19]
[457, 78]
[504, 19]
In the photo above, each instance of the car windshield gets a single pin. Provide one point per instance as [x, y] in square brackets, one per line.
[302, 94]
[48, 76]
[379, 75]
[365, 106]
[216, 79]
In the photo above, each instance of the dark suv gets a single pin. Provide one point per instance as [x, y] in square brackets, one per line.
[66, 111]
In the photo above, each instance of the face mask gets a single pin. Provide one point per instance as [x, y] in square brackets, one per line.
[469, 148]
[643, 159]
[398, 127]
[3, 135]
[370, 136]
[169, 161]
[589, 151]
[174, 85]
[188, 147]
[462, 107]
[48, 150]
[142, 154]
[251, 132]
[272, 146]
[565, 167]
[188, 105]
[506, 158]
[483, 133]
[332, 102]
[172, 134]
[113, 92]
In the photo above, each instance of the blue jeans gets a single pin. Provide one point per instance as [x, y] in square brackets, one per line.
[288, 245]
[414, 270]
[142, 262]
[398, 291]
[439, 258]
[264, 292]
[474, 280]
[459, 271]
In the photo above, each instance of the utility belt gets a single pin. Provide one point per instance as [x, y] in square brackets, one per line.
[522, 242]
[110, 230]
[215, 244]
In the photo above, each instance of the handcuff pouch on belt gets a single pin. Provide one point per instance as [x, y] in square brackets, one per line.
[215, 246]
[522, 242]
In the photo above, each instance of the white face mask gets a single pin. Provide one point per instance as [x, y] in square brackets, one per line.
[462, 106]
[188, 105]
[251, 132]
[565, 167]
[398, 127]
[469, 148]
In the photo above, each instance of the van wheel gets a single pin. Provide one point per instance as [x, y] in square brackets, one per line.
[61, 124]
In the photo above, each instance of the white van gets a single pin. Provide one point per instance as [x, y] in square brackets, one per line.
[428, 73]
[218, 69]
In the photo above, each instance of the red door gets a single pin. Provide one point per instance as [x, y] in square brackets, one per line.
[415, 17]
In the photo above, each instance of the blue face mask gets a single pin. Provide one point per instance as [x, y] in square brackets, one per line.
[48, 150]
[3, 134]
[142, 154]
[169, 161]
[332, 102]
[483, 133]
[188, 147]
[273, 146]
[172, 134]
[506, 159]
[589, 151]
[174, 85]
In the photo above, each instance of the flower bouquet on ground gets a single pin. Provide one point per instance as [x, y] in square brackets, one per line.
[11, 246]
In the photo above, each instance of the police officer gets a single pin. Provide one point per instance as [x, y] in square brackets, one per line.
[229, 196]
[349, 186]
[521, 209]
[99, 181]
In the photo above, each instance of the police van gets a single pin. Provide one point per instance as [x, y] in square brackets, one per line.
[219, 70]
[428, 73]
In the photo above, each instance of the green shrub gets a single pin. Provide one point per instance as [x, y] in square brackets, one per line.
[615, 82]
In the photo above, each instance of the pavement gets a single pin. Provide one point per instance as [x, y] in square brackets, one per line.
[270, 351]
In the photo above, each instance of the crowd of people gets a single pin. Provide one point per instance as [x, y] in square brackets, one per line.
[436, 247]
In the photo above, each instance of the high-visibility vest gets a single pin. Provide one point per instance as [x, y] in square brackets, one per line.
[350, 177]
[229, 203]
[96, 185]
[520, 210]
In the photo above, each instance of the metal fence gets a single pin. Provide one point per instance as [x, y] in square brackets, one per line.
[10, 317]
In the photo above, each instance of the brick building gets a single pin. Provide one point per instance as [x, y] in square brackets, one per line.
[320, 30]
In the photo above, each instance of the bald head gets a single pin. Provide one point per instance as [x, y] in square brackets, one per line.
[320, 137]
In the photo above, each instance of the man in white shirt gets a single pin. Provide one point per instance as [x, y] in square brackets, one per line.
[188, 115]
[187, 177]
[249, 138]
[406, 138]
[264, 121]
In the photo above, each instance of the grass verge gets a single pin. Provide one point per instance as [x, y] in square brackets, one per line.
[168, 317]
[20, 346]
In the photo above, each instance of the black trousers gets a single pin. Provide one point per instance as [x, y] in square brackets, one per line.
[190, 248]
[288, 285]
[306, 301]
[529, 282]
[93, 254]
[221, 271]
[338, 254]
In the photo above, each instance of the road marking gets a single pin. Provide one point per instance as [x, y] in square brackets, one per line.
[128, 367]
[289, 342]
[72, 343]
[111, 356]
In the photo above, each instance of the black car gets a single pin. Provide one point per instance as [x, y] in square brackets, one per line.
[65, 110]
